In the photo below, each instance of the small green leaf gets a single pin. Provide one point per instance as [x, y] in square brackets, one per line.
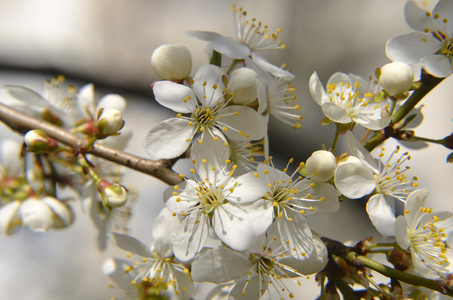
[378, 73]
[216, 58]
[326, 121]
[345, 127]
[303, 171]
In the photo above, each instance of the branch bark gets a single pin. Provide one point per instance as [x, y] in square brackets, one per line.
[22, 123]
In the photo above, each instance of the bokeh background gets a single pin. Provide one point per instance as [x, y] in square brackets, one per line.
[109, 42]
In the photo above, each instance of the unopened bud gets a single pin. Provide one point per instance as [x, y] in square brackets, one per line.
[113, 194]
[110, 122]
[243, 84]
[396, 78]
[39, 142]
[321, 165]
[172, 62]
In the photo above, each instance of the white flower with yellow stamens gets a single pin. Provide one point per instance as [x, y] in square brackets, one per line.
[216, 202]
[155, 265]
[433, 46]
[251, 37]
[208, 119]
[252, 272]
[361, 175]
[293, 200]
[349, 98]
[424, 232]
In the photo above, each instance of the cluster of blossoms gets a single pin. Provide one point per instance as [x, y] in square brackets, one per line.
[237, 220]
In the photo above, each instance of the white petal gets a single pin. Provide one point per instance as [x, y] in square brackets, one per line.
[317, 91]
[381, 215]
[36, 215]
[338, 78]
[254, 287]
[320, 189]
[410, 48]
[214, 149]
[131, 244]
[219, 265]
[401, 233]
[169, 139]
[421, 267]
[112, 101]
[354, 180]
[184, 200]
[414, 201]
[206, 78]
[63, 214]
[164, 232]
[172, 95]
[85, 100]
[314, 264]
[10, 151]
[295, 235]
[242, 123]
[232, 226]
[261, 214]
[230, 47]
[247, 188]
[356, 149]
[335, 113]
[264, 65]
[437, 65]
[375, 124]
[416, 17]
[115, 269]
[444, 8]
[26, 97]
[9, 218]
[192, 235]
[207, 36]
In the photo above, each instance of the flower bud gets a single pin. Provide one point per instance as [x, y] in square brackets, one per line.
[396, 78]
[172, 62]
[321, 165]
[109, 122]
[113, 194]
[243, 83]
[39, 142]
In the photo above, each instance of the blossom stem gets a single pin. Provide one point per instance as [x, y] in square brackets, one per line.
[428, 83]
[335, 139]
[437, 285]
[22, 123]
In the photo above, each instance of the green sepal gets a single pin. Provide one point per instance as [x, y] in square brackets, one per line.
[415, 85]
[303, 171]
[450, 158]
[345, 127]
[326, 121]
[377, 73]
[216, 58]
[380, 96]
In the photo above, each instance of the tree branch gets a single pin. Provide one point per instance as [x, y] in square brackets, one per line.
[22, 123]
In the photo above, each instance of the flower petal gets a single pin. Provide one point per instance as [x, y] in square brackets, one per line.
[335, 113]
[219, 265]
[192, 235]
[85, 100]
[230, 47]
[264, 65]
[115, 269]
[416, 17]
[112, 101]
[354, 180]
[357, 149]
[9, 218]
[242, 123]
[412, 47]
[232, 226]
[36, 215]
[169, 139]
[414, 201]
[247, 188]
[208, 85]
[295, 234]
[177, 97]
[381, 214]
[182, 201]
[164, 232]
[314, 264]
[437, 65]
[63, 213]
[401, 233]
[131, 244]
[317, 91]
[260, 214]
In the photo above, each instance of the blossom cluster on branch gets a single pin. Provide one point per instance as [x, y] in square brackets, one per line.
[236, 220]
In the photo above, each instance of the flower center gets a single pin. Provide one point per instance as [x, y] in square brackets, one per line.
[348, 98]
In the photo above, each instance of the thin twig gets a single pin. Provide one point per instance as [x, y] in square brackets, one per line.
[22, 123]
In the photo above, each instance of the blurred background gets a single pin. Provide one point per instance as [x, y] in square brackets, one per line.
[109, 43]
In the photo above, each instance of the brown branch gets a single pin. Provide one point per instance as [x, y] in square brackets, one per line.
[22, 123]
